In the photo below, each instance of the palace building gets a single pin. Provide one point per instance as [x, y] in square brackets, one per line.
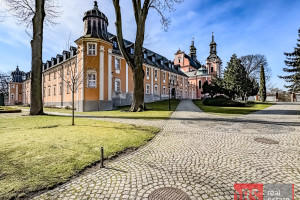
[103, 79]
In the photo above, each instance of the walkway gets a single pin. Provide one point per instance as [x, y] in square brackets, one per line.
[203, 155]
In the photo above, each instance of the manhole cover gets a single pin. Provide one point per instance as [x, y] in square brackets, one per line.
[168, 193]
[266, 141]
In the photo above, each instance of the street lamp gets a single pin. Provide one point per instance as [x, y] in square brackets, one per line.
[170, 95]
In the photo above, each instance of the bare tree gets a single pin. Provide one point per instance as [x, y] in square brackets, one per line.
[32, 13]
[4, 80]
[252, 64]
[136, 61]
[74, 79]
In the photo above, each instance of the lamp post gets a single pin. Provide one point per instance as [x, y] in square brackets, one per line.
[170, 95]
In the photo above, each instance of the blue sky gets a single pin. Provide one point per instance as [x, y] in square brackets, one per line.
[243, 27]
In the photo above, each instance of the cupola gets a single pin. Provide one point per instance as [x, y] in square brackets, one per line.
[95, 23]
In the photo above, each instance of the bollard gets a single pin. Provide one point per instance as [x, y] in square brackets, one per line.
[102, 158]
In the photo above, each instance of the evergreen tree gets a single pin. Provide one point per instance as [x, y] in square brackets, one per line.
[262, 89]
[293, 66]
[234, 77]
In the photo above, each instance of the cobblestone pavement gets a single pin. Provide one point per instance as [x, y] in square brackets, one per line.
[202, 155]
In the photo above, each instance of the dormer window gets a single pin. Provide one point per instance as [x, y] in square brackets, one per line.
[132, 51]
[92, 49]
[162, 62]
[145, 55]
[115, 44]
[153, 59]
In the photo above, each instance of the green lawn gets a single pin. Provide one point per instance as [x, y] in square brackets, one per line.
[37, 152]
[218, 110]
[157, 110]
[7, 109]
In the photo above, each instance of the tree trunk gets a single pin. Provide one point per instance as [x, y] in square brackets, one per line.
[36, 105]
[73, 123]
[138, 90]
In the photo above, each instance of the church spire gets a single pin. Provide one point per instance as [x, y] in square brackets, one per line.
[213, 45]
[193, 50]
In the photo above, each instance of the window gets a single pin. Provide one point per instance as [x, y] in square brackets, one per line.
[44, 91]
[68, 88]
[12, 96]
[117, 85]
[155, 74]
[117, 65]
[200, 84]
[164, 76]
[115, 44]
[54, 75]
[12, 85]
[54, 90]
[49, 90]
[211, 69]
[147, 72]
[153, 59]
[145, 55]
[155, 89]
[178, 60]
[147, 88]
[68, 70]
[92, 80]
[60, 88]
[132, 51]
[91, 49]
[49, 76]
[164, 90]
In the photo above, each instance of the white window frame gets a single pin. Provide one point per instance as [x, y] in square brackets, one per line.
[147, 88]
[117, 70]
[54, 90]
[164, 77]
[164, 90]
[68, 88]
[60, 88]
[12, 96]
[117, 81]
[12, 85]
[94, 51]
[89, 73]
[148, 72]
[155, 74]
[156, 89]
[49, 90]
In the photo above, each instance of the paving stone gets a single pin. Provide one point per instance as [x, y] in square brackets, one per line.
[201, 154]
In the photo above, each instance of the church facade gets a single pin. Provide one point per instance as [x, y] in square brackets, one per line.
[101, 79]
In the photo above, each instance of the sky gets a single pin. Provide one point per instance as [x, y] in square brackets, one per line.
[243, 27]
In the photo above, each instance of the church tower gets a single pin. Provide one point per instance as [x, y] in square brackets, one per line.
[193, 50]
[213, 45]
[213, 62]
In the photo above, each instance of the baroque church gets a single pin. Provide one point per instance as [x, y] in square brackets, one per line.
[104, 79]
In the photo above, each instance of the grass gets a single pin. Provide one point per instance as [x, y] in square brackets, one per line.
[218, 110]
[9, 109]
[157, 110]
[38, 152]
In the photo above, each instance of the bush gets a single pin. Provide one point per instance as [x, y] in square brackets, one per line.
[222, 101]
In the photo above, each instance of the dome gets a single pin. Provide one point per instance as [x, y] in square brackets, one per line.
[95, 12]
[95, 23]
